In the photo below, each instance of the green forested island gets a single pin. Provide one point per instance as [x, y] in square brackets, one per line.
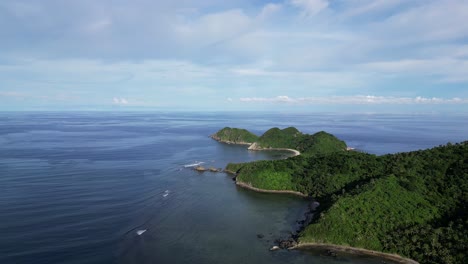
[288, 138]
[235, 136]
[412, 204]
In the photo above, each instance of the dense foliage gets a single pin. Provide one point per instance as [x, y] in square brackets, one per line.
[235, 135]
[316, 175]
[277, 138]
[413, 204]
[290, 137]
[234, 167]
[320, 143]
[362, 220]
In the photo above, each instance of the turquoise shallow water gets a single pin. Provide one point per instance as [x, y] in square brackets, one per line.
[77, 187]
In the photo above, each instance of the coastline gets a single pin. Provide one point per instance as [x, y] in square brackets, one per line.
[305, 246]
[247, 186]
[253, 146]
[230, 142]
[356, 251]
[296, 152]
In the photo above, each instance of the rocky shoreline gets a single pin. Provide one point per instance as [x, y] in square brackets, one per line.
[229, 142]
[330, 250]
[292, 240]
[210, 169]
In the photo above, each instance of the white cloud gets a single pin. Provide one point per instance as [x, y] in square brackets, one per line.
[120, 101]
[432, 21]
[310, 7]
[163, 51]
[269, 10]
[355, 100]
[362, 7]
[212, 28]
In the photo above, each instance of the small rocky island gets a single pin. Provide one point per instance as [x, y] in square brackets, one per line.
[396, 206]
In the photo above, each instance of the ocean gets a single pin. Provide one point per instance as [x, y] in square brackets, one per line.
[119, 187]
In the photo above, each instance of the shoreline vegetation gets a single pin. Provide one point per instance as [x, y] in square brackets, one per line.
[250, 187]
[355, 251]
[254, 147]
[407, 207]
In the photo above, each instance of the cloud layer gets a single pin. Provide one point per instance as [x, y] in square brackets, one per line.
[354, 100]
[194, 53]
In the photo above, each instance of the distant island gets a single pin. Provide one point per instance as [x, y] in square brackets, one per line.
[412, 204]
[289, 139]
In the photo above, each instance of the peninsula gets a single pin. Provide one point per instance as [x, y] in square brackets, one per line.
[411, 204]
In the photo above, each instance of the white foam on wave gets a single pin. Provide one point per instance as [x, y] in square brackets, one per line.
[166, 193]
[193, 164]
[140, 232]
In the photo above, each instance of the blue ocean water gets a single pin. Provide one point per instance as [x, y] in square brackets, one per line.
[102, 187]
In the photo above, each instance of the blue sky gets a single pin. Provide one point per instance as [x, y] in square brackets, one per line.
[317, 55]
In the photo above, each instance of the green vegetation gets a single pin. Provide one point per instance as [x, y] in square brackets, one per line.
[234, 167]
[359, 221]
[277, 138]
[415, 207]
[267, 174]
[318, 143]
[316, 175]
[413, 204]
[290, 137]
[235, 135]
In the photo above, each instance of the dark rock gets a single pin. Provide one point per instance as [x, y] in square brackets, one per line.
[200, 168]
[260, 236]
[288, 243]
[331, 253]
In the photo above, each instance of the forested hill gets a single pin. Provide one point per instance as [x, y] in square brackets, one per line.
[277, 138]
[290, 137]
[235, 136]
[413, 204]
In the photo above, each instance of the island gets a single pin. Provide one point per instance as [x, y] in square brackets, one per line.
[289, 139]
[412, 205]
[235, 136]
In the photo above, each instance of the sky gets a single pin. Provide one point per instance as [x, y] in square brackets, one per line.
[290, 55]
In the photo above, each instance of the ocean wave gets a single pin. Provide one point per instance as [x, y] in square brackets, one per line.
[193, 164]
[140, 232]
